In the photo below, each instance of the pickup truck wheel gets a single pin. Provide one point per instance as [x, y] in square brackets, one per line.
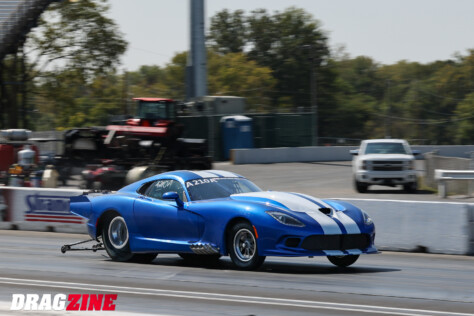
[410, 187]
[360, 187]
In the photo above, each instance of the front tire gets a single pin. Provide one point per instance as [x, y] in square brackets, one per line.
[360, 187]
[343, 261]
[242, 246]
[411, 187]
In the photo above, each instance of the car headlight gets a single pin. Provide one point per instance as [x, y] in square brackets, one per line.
[367, 219]
[285, 219]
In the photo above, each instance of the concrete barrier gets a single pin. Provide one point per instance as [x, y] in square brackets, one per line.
[39, 209]
[327, 153]
[291, 154]
[421, 226]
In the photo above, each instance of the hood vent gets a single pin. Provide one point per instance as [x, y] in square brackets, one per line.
[325, 210]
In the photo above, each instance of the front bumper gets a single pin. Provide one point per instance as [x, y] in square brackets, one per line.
[304, 242]
[386, 177]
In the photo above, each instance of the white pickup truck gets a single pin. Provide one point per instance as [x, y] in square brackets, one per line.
[384, 162]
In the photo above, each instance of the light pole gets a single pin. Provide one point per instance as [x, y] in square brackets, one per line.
[313, 100]
[388, 113]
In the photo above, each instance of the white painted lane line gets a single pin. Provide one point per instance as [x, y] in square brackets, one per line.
[228, 298]
[5, 310]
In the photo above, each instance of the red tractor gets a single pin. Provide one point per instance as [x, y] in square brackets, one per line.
[136, 147]
[19, 159]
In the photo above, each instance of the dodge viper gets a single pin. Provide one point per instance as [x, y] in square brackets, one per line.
[208, 214]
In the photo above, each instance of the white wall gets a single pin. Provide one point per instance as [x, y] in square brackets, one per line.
[327, 153]
[410, 225]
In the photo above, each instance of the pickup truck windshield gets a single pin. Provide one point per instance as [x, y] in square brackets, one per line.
[385, 148]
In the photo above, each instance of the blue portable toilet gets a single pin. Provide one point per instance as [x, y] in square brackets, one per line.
[236, 133]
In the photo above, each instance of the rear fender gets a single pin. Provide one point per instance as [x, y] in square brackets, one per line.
[81, 205]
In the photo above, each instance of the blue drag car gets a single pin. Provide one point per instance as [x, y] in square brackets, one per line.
[203, 215]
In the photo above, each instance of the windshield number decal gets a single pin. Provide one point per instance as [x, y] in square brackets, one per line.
[192, 183]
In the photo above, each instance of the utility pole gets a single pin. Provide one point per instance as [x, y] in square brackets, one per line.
[24, 95]
[2, 96]
[388, 113]
[196, 70]
[314, 104]
[313, 100]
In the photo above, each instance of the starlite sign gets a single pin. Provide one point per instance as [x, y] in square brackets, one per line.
[47, 204]
[49, 208]
[44, 207]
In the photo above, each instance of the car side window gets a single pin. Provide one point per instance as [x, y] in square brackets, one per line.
[142, 190]
[160, 187]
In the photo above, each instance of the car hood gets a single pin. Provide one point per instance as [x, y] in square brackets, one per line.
[387, 157]
[327, 213]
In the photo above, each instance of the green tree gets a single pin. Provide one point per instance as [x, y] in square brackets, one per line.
[79, 35]
[465, 120]
[234, 74]
[147, 81]
[291, 43]
[358, 91]
[228, 32]
[229, 74]
[155, 81]
[75, 46]
[66, 100]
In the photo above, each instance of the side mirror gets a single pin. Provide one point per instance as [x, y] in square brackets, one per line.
[416, 152]
[173, 196]
[354, 152]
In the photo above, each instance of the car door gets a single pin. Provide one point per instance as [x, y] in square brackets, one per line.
[162, 220]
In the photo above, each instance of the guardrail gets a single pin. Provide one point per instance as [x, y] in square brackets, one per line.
[441, 176]
[435, 227]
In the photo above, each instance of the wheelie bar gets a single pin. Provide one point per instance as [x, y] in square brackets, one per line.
[94, 248]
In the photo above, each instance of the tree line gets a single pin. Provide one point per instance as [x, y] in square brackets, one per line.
[266, 57]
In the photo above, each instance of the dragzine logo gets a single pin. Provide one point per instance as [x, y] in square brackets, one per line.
[61, 302]
[48, 204]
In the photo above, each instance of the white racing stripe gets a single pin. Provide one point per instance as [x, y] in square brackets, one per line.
[349, 224]
[204, 174]
[270, 301]
[328, 225]
[299, 204]
[316, 200]
[225, 174]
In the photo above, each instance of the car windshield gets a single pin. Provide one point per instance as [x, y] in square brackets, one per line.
[385, 148]
[215, 188]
